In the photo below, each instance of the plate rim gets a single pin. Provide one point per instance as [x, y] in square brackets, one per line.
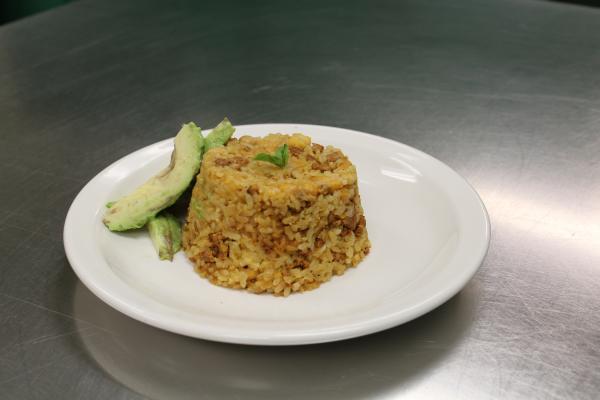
[281, 338]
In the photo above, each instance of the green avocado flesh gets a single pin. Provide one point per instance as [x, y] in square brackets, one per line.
[165, 232]
[219, 136]
[161, 191]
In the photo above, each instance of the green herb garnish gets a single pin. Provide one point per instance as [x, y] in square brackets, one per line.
[279, 157]
[110, 204]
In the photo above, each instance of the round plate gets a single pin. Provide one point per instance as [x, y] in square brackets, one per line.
[428, 228]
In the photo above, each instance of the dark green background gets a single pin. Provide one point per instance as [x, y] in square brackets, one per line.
[15, 9]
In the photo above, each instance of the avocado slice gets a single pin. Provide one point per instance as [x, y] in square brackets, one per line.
[219, 136]
[165, 232]
[161, 191]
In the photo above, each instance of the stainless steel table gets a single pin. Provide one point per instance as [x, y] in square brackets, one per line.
[505, 92]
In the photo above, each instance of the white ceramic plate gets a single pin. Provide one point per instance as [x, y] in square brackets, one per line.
[428, 229]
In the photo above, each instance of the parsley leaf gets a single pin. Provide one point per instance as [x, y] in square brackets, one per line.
[279, 157]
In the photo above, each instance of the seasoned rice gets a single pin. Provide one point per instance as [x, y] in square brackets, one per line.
[252, 225]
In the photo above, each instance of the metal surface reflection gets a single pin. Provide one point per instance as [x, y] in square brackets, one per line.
[160, 364]
[507, 93]
[540, 216]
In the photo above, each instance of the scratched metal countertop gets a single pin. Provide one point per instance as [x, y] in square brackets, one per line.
[505, 92]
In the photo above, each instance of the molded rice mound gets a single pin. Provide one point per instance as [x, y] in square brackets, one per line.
[252, 225]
